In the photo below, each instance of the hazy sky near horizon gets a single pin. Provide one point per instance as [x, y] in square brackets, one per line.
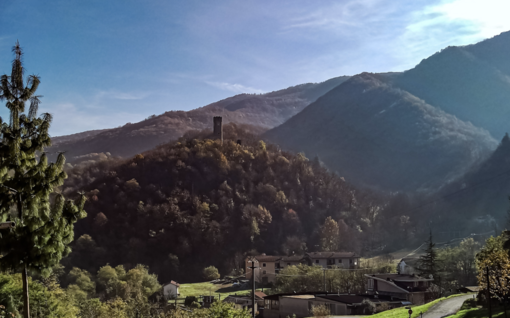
[105, 63]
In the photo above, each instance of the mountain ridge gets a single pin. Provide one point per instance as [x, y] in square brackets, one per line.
[263, 111]
[357, 125]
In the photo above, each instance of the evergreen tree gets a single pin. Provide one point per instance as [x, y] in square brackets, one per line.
[44, 219]
[427, 264]
[330, 235]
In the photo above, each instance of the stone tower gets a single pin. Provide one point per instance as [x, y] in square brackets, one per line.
[218, 128]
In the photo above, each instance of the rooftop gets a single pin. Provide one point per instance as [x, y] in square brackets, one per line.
[260, 294]
[399, 277]
[323, 255]
[300, 296]
[293, 258]
[266, 258]
[172, 283]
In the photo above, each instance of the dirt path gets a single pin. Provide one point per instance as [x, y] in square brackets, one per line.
[446, 307]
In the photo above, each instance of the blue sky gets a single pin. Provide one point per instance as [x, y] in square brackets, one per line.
[107, 62]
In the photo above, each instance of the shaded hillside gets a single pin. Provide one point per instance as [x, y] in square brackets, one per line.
[264, 111]
[194, 203]
[471, 82]
[74, 137]
[479, 200]
[378, 135]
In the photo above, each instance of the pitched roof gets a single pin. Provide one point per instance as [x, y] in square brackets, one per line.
[293, 258]
[173, 283]
[259, 294]
[343, 298]
[267, 258]
[324, 255]
[411, 261]
[399, 277]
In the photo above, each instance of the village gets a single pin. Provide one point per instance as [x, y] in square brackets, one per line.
[383, 291]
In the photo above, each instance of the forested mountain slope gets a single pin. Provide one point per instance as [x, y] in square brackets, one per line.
[262, 111]
[375, 134]
[194, 203]
[471, 82]
[479, 201]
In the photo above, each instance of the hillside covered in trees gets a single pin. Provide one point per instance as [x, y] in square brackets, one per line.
[362, 128]
[262, 111]
[194, 203]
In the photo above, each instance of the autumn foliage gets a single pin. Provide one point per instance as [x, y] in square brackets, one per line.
[196, 203]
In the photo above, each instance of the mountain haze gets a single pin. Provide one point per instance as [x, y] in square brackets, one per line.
[471, 82]
[481, 197]
[375, 134]
[261, 111]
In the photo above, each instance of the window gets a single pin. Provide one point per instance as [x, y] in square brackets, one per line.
[340, 261]
[264, 272]
[316, 261]
[350, 261]
[275, 305]
[370, 284]
[288, 264]
[267, 304]
[415, 284]
[263, 264]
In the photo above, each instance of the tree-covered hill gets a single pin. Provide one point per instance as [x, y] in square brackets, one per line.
[194, 203]
[478, 201]
[262, 111]
[470, 82]
[377, 135]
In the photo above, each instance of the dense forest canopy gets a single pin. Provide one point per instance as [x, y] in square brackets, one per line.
[196, 202]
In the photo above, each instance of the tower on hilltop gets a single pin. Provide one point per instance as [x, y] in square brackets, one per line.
[218, 128]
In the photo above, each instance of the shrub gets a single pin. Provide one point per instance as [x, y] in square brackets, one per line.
[320, 311]
[211, 273]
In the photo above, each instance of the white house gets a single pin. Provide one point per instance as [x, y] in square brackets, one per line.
[348, 260]
[171, 290]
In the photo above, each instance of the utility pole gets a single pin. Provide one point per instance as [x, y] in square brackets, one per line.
[488, 291]
[324, 279]
[253, 288]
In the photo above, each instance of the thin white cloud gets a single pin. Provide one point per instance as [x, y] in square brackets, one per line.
[489, 16]
[452, 22]
[235, 88]
[336, 16]
[114, 94]
[69, 118]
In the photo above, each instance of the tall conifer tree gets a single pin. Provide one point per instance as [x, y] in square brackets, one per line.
[427, 264]
[44, 219]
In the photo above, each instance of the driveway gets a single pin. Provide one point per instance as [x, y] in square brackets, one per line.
[446, 307]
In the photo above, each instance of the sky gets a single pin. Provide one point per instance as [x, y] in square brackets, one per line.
[105, 63]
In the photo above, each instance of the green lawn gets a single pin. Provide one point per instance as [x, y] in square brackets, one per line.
[403, 312]
[206, 289]
[467, 311]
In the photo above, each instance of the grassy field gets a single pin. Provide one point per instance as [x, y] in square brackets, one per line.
[403, 312]
[206, 289]
[467, 311]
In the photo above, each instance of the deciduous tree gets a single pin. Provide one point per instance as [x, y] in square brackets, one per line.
[330, 234]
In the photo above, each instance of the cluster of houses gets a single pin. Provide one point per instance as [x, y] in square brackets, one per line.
[388, 290]
[267, 266]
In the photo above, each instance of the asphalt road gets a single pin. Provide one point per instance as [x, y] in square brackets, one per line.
[446, 307]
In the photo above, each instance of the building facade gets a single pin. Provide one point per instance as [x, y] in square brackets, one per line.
[347, 260]
[412, 288]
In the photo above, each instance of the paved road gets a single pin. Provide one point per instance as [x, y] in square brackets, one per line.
[446, 307]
